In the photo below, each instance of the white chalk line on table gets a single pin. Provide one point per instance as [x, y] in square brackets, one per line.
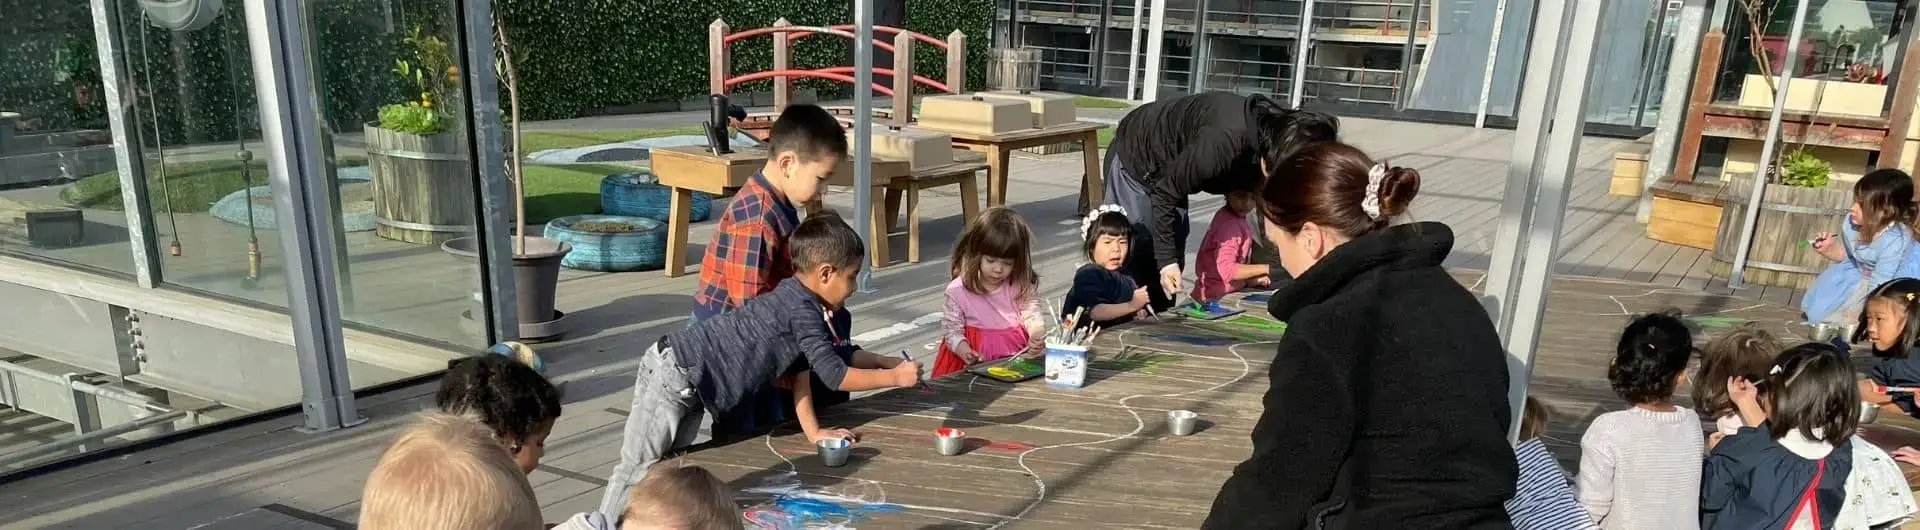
[1140, 424]
[794, 488]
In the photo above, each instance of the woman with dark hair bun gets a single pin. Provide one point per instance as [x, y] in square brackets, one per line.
[1166, 151]
[1388, 399]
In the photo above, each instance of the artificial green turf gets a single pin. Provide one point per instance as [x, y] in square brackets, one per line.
[1090, 102]
[552, 190]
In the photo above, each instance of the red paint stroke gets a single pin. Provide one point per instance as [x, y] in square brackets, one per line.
[1010, 446]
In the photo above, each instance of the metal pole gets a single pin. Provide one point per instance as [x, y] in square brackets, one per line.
[122, 121]
[495, 195]
[863, 130]
[1528, 243]
[289, 118]
[1493, 58]
[1156, 39]
[1673, 108]
[1405, 86]
[1736, 280]
[1301, 46]
[1133, 56]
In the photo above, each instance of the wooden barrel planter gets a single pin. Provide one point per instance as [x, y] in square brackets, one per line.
[423, 187]
[1789, 216]
[611, 243]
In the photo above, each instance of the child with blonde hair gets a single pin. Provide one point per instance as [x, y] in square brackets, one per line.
[992, 309]
[448, 472]
[682, 498]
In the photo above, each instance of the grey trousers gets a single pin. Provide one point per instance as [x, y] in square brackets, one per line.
[666, 415]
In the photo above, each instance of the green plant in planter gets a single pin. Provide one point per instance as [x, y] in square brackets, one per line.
[431, 73]
[1801, 168]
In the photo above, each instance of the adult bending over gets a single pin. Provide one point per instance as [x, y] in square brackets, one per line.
[1388, 399]
[1170, 149]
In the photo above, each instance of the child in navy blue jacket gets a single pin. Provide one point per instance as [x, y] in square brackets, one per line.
[1100, 287]
[1788, 466]
[1888, 322]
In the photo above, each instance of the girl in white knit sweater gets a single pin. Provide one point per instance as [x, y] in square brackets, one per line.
[1640, 467]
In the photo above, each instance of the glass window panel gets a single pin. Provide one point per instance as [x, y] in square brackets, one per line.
[59, 186]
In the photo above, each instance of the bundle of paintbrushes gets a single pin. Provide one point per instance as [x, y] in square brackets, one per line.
[1071, 331]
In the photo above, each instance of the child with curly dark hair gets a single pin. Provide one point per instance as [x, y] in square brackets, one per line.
[1640, 467]
[518, 403]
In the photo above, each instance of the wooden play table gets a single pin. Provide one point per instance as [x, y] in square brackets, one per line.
[1000, 147]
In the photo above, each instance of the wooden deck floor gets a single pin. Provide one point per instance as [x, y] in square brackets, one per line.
[241, 469]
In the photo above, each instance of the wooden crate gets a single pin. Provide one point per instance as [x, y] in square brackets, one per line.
[1629, 167]
[1685, 213]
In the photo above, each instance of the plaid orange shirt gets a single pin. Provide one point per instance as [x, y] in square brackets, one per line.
[748, 253]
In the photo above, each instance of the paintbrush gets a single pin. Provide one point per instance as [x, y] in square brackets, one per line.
[924, 387]
[1090, 336]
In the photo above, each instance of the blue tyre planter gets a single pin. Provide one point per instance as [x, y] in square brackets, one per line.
[640, 194]
[644, 248]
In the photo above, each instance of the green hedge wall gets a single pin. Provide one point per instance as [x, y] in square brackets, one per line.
[575, 56]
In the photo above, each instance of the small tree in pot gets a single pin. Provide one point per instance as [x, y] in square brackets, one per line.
[422, 183]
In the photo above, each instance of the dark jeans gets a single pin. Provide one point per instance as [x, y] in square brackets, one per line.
[1124, 190]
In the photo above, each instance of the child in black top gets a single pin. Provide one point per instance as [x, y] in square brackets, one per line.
[513, 399]
[1788, 466]
[1100, 287]
[1888, 323]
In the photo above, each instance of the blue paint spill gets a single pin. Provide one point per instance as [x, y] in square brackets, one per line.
[1258, 297]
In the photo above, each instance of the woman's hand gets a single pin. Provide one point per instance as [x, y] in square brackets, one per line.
[1170, 278]
[1828, 245]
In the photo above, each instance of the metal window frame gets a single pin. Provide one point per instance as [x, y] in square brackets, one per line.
[122, 121]
[495, 194]
[279, 45]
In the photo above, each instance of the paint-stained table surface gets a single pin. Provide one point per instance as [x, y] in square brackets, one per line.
[1098, 455]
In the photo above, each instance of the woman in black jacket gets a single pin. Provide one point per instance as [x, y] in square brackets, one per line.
[1170, 149]
[1388, 399]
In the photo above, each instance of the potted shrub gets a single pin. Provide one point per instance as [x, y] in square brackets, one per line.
[1797, 203]
[536, 260]
[422, 186]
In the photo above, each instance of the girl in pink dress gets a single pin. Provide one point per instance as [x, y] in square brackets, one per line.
[1221, 267]
[992, 310]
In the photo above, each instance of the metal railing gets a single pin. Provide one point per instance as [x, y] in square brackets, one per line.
[74, 393]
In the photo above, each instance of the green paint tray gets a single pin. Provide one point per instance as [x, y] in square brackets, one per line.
[1017, 369]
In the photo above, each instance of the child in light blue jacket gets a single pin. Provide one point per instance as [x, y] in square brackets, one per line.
[1874, 245]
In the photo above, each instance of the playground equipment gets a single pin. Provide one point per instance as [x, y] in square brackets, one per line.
[719, 68]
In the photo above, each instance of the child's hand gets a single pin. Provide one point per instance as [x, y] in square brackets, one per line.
[1827, 244]
[1907, 454]
[966, 353]
[1742, 392]
[1872, 392]
[1140, 298]
[905, 374]
[1263, 281]
[1714, 439]
[832, 434]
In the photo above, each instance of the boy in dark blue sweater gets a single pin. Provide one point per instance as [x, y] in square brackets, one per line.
[713, 366]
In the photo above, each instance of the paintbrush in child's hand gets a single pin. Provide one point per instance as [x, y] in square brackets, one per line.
[924, 387]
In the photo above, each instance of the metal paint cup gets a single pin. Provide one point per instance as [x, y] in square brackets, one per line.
[1823, 332]
[834, 451]
[949, 441]
[1868, 412]
[1181, 422]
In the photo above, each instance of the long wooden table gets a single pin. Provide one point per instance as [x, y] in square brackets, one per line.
[1000, 147]
[1099, 456]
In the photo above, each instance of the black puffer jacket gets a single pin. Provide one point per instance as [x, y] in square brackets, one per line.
[1182, 146]
[1388, 399]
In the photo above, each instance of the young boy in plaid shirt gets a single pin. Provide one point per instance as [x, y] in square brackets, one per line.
[748, 253]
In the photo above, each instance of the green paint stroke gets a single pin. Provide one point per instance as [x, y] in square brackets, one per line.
[1145, 362]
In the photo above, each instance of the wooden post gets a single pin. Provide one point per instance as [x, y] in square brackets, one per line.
[902, 78]
[719, 64]
[1900, 117]
[1687, 158]
[782, 56]
[956, 62]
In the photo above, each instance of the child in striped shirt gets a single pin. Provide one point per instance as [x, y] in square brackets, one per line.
[1542, 500]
